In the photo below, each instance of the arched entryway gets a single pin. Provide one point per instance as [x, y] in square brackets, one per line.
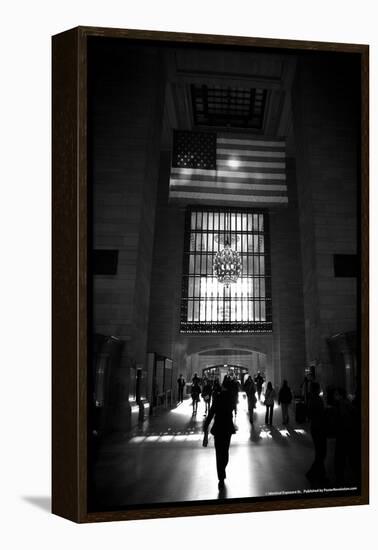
[220, 361]
[220, 371]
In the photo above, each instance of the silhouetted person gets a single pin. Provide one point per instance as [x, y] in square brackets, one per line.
[259, 381]
[270, 396]
[250, 390]
[181, 385]
[343, 434]
[355, 434]
[223, 427]
[306, 387]
[206, 395]
[196, 379]
[284, 399]
[234, 387]
[247, 383]
[316, 413]
[216, 389]
[195, 394]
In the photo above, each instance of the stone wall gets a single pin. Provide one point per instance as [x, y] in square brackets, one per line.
[325, 103]
[127, 87]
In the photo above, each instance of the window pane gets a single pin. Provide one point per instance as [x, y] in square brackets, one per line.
[245, 310]
[193, 220]
[261, 243]
[199, 220]
[251, 316]
[262, 288]
[256, 287]
[190, 310]
[204, 221]
[210, 239]
[262, 265]
[202, 310]
[257, 311]
[197, 287]
[208, 309]
[233, 222]
[263, 312]
[196, 311]
[256, 265]
[190, 287]
[245, 264]
[210, 221]
[191, 263]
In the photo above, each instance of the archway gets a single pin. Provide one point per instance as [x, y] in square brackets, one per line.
[240, 360]
[219, 372]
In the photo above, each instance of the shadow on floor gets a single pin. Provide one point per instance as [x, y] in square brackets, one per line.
[43, 503]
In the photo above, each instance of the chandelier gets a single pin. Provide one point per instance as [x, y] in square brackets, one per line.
[227, 265]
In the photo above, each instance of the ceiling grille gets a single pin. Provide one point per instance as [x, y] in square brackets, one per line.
[228, 107]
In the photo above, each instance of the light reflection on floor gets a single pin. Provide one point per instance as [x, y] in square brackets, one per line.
[194, 431]
[164, 460]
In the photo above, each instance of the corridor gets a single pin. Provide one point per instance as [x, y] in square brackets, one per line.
[164, 460]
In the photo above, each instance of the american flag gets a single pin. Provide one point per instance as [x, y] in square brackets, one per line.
[227, 169]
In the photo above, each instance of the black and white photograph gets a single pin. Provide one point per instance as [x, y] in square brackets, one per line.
[188, 276]
[225, 274]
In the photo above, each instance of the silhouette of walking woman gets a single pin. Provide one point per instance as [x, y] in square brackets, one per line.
[223, 427]
[195, 394]
[270, 396]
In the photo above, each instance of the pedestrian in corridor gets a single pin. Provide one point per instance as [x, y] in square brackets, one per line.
[206, 394]
[259, 381]
[195, 394]
[181, 385]
[270, 396]
[250, 390]
[235, 387]
[223, 427]
[284, 399]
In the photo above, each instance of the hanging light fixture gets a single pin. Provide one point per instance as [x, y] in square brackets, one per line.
[227, 265]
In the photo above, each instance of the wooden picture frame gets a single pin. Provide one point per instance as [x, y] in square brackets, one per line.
[72, 289]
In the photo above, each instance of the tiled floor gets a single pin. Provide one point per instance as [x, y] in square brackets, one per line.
[164, 461]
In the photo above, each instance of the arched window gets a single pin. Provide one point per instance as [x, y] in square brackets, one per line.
[208, 305]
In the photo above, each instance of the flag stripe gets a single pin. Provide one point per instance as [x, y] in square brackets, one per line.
[234, 198]
[251, 143]
[250, 164]
[227, 174]
[226, 153]
[230, 191]
[232, 168]
[181, 183]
